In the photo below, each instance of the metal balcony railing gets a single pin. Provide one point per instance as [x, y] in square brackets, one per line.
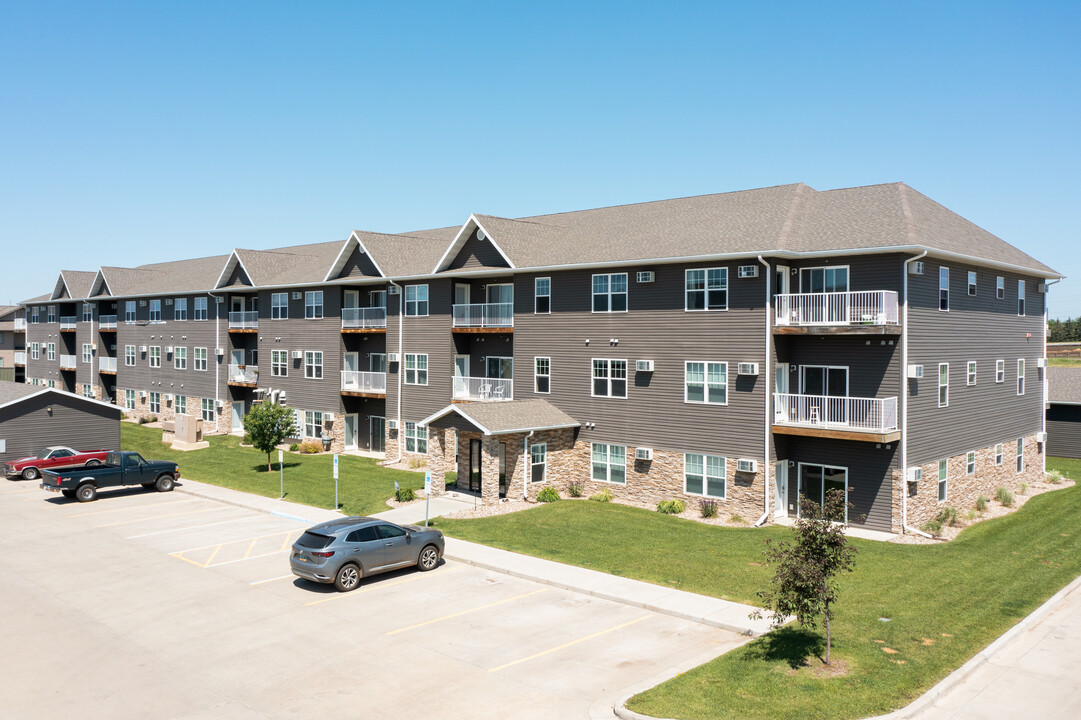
[878, 415]
[107, 364]
[866, 307]
[244, 320]
[20, 357]
[20, 324]
[68, 362]
[68, 322]
[243, 373]
[106, 322]
[479, 388]
[366, 382]
[483, 315]
[364, 318]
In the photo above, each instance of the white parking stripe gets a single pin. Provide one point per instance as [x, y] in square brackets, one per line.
[268, 580]
[195, 527]
[238, 540]
[244, 559]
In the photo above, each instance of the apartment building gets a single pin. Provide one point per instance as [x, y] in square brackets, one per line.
[744, 348]
[12, 342]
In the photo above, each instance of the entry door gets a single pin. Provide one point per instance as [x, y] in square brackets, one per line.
[474, 465]
[830, 381]
[503, 293]
[502, 470]
[500, 367]
[350, 365]
[238, 415]
[460, 384]
[237, 356]
[780, 386]
[780, 489]
[351, 432]
[461, 294]
[783, 281]
[816, 480]
[377, 427]
[236, 303]
[351, 299]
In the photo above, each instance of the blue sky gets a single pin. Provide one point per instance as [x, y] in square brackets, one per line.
[144, 132]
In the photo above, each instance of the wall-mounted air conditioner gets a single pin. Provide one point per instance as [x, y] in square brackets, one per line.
[296, 295]
[219, 351]
[142, 393]
[392, 424]
[93, 346]
[915, 371]
[915, 268]
[643, 365]
[392, 357]
[643, 453]
[393, 290]
[645, 276]
[1041, 362]
[168, 349]
[747, 466]
[328, 416]
[142, 348]
[168, 301]
[915, 474]
[748, 271]
[142, 303]
[168, 397]
[298, 354]
[747, 369]
[1041, 437]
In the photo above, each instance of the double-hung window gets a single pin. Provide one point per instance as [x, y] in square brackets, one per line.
[970, 463]
[416, 369]
[416, 438]
[943, 288]
[542, 295]
[313, 364]
[88, 312]
[1020, 377]
[279, 306]
[129, 399]
[416, 300]
[129, 311]
[998, 454]
[970, 376]
[88, 390]
[154, 356]
[706, 289]
[542, 375]
[610, 378]
[609, 463]
[971, 282]
[35, 317]
[704, 475]
[313, 304]
[538, 461]
[200, 308]
[35, 351]
[50, 351]
[180, 309]
[610, 293]
[1000, 287]
[705, 382]
[180, 405]
[279, 363]
[943, 384]
[155, 402]
[942, 480]
[200, 358]
[155, 311]
[1021, 298]
[180, 358]
[313, 423]
[129, 355]
[1020, 454]
[88, 353]
[208, 409]
[1000, 371]
[51, 314]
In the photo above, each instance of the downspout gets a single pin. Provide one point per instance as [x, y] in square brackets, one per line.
[401, 328]
[904, 399]
[526, 459]
[217, 360]
[1043, 412]
[766, 373]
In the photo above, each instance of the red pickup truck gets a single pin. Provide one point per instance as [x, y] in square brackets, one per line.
[53, 458]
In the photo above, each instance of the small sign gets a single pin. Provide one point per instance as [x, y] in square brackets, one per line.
[281, 456]
[428, 481]
[335, 466]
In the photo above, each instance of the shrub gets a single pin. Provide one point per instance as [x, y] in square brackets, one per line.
[970, 515]
[246, 440]
[603, 496]
[152, 419]
[735, 518]
[143, 421]
[1054, 477]
[548, 494]
[932, 526]
[404, 494]
[575, 489]
[670, 507]
[293, 447]
[1004, 496]
[947, 516]
[417, 462]
[311, 447]
[708, 508]
[981, 503]
[1024, 488]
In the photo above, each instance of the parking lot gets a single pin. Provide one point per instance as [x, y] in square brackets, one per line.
[166, 605]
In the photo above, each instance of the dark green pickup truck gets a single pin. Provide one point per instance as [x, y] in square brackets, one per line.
[119, 469]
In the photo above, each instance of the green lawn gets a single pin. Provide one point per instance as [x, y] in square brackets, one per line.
[363, 485]
[944, 602]
[1064, 362]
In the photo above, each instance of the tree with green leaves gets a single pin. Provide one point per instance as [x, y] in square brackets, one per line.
[268, 424]
[805, 581]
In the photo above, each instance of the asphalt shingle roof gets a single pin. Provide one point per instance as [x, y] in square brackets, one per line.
[78, 282]
[512, 416]
[1064, 385]
[177, 276]
[404, 255]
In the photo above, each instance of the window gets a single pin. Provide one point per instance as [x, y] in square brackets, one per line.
[208, 410]
[155, 356]
[88, 312]
[378, 299]
[416, 369]
[1021, 298]
[542, 375]
[1000, 287]
[1020, 377]
[279, 306]
[1000, 371]
[538, 460]
[155, 402]
[50, 351]
[705, 383]
[35, 351]
[824, 279]
[180, 309]
[155, 311]
[610, 378]
[200, 358]
[704, 475]
[129, 399]
[943, 288]
[51, 314]
[416, 438]
[378, 362]
[34, 318]
[998, 454]
[609, 463]
[416, 300]
[706, 289]
[88, 390]
[542, 296]
[200, 308]
[943, 384]
[313, 423]
[88, 353]
[279, 363]
[970, 463]
[180, 358]
[971, 375]
[313, 304]
[313, 365]
[129, 311]
[942, 481]
[610, 293]
[51, 383]
[1020, 454]
[129, 355]
[180, 405]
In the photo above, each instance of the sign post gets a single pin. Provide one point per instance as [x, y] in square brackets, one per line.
[427, 494]
[335, 481]
[281, 474]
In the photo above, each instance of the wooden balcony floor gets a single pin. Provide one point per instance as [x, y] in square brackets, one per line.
[834, 433]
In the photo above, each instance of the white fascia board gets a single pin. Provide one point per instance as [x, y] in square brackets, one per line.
[538, 428]
[459, 240]
[495, 244]
[64, 393]
[339, 262]
[99, 281]
[453, 409]
[1062, 402]
[60, 283]
[230, 263]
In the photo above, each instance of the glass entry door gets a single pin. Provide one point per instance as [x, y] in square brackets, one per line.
[378, 433]
[817, 480]
[474, 465]
[828, 381]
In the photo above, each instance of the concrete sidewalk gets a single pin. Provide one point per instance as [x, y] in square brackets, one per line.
[281, 508]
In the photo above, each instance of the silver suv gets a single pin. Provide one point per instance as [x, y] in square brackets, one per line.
[343, 551]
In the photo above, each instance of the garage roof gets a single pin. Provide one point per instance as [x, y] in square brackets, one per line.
[1064, 385]
[13, 393]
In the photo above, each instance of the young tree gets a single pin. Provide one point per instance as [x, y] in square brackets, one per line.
[267, 424]
[805, 581]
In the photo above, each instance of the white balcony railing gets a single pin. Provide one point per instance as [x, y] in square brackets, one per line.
[877, 415]
[483, 315]
[866, 307]
[244, 320]
[366, 382]
[68, 362]
[20, 357]
[375, 317]
[478, 388]
[20, 324]
[243, 373]
[67, 322]
[106, 322]
[107, 364]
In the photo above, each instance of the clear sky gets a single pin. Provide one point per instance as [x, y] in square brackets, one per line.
[150, 131]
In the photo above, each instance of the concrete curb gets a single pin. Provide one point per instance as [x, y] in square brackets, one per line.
[226, 499]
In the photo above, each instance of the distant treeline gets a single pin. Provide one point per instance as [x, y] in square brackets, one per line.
[1064, 330]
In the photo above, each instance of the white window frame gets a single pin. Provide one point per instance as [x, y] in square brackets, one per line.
[313, 305]
[155, 312]
[313, 424]
[209, 412]
[538, 450]
[944, 289]
[706, 384]
[416, 439]
[1020, 376]
[131, 313]
[608, 293]
[50, 351]
[1000, 287]
[180, 309]
[199, 353]
[279, 363]
[313, 370]
[180, 358]
[154, 401]
[35, 351]
[607, 463]
[153, 356]
[537, 374]
[998, 454]
[537, 295]
[943, 481]
[414, 373]
[415, 298]
[88, 390]
[279, 306]
[88, 353]
[129, 399]
[1000, 371]
[130, 357]
[608, 376]
[1020, 298]
[1020, 456]
[35, 316]
[972, 283]
[706, 475]
[50, 315]
[180, 404]
[943, 385]
[707, 288]
[970, 374]
[970, 462]
[199, 311]
[88, 312]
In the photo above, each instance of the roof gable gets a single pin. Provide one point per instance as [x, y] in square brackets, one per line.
[354, 260]
[478, 253]
[473, 228]
[513, 416]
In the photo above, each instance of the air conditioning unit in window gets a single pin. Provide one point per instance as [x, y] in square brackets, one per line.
[168, 301]
[392, 424]
[142, 303]
[915, 371]
[915, 474]
[296, 296]
[1041, 362]
[916, 268]
[1041, 437]
[746, 466]
[643, 365]
[748, 271]
[747, 369]
[393, 290]
[392, 357]
[142, 348]
[298, 354]
[645, 276]
[220, 404]
[329, 417]
[168, 349]
[643, 453]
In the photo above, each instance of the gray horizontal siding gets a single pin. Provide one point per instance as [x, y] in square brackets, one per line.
[1064, 431]
[28, 426]
[477, 254]
[431, 335]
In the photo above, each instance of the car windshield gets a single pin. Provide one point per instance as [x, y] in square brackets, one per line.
[314, 540]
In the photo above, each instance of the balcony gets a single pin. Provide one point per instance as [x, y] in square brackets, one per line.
[68, 323]
[364, 384]
[107, 365]
[20, 324]
[68, 362]
[483, 317]
[867, 311]
[243, 375]
[107, 323]
[466, 389]
[244, 322]
[362, 320]
[841, 418]
[20, 357]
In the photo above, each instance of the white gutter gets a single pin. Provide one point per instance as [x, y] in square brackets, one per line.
[1046, 386]
[401, 329]
[217, 362]
[768, 375]
[904, 400]
[526, 460]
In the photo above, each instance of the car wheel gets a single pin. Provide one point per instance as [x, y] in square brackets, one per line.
[429, 558]
[93, 462]
[86, 493]
[31, 473]
[68, 493]
[348, 577]
[165, 483]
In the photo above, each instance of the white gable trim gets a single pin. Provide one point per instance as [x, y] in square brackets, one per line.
[455, 409]
[99, 282]
[60, 283]
[64, 393]
[346, 251]
[459, 240]
[230, 265]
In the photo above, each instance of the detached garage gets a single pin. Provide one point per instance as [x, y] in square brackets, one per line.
[34, 417]
[1064, 412]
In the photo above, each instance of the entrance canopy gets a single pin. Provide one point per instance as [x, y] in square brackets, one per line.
[502, 418]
